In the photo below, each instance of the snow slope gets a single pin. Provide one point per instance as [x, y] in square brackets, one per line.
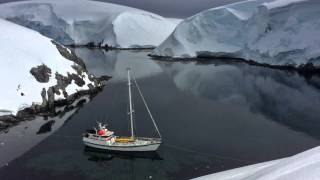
[276, 32]
[83, 22]
[22, 49]
[305, 165]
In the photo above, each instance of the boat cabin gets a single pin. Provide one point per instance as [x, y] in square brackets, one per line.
[101, 132]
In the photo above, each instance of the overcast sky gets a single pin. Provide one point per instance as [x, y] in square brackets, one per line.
[169, 8]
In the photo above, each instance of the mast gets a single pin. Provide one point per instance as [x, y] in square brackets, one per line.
[130, 104]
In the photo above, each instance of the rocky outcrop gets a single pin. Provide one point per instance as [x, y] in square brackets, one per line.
[58, 76]
[44, 97]
[61, 108]
[42, 73]
[7, 121]
[68, 54]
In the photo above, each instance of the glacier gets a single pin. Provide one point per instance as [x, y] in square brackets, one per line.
[272, 32]
[23, 83]
[90, 23]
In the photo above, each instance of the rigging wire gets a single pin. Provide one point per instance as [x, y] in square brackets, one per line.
[134, 118]
[147, 107]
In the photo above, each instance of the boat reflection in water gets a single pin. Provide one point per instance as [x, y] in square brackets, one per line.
[99, 155]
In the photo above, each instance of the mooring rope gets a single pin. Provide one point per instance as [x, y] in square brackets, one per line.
[217, 156]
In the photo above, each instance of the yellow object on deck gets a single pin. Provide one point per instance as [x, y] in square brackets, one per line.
[124, 139]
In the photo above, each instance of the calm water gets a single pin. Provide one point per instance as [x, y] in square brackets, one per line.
[213, 116]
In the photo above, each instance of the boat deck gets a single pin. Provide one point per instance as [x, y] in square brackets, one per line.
[138, 142]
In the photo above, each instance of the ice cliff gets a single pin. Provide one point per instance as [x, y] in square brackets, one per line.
[90, 23]
[274, 32]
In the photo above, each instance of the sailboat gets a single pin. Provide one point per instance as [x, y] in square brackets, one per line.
[102, 138]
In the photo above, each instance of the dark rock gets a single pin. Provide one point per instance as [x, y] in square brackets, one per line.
[42, 73]
[65, 94]
[27, 113]
[90, 45]
[8, 119]
[69, 55]
[78, 69]
[97, 81]
[78, 80]
[44, 97]
[62, 81]
[103, 78]
[57, 91]
[50, 99]
[90, 86]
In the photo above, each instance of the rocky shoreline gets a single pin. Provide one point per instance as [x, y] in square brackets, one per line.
[50, 102]
[107, 47]
[30, 113]
[306, 69]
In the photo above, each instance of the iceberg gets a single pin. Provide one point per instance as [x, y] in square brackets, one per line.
[34, 70]
[90, 23]
[272, 32]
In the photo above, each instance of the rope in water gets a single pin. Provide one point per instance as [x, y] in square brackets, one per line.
[216, 156]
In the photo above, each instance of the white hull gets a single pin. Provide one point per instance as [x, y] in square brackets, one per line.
[104, 139]
[139, 145]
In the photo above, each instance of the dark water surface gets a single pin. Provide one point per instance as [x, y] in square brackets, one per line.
[213, 116]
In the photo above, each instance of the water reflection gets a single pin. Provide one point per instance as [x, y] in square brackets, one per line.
[18, 139]
[104, 155]
[114, 63]
[281, 96]
[47, 127]
[232, 109]
[213, 117]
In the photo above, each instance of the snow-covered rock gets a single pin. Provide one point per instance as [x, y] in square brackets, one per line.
[87, 22]
[305, 165]
[35, 70]
[275, 32]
